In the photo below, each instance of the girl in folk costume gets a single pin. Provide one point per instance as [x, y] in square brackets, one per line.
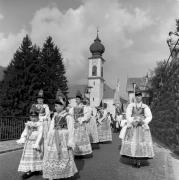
[81, 115]
[44, 113]
[58, 159]
[137, 142]
[32, 155]
[103, 120]
[91, 125]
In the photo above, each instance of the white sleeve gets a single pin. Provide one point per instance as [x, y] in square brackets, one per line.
[70, 124]
[71, 111]
[129, 113]
[23, 136]
[148, 115]
[47, 111]
[40, 135]
[87, 115]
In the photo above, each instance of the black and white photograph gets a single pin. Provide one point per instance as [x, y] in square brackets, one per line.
[89, 89]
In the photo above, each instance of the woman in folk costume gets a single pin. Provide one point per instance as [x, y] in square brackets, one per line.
[58, 159]
[103, 121]
[91, 124]
[118, 116]
[81, 115]
[32, 155]
[137, 142]
[44, 113]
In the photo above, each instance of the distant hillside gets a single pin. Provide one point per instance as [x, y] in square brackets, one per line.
[2, 72]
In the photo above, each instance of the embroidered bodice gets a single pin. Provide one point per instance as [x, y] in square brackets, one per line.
[78, 112]
[60, 122]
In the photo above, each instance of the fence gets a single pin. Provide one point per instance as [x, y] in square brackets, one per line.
[11, 127]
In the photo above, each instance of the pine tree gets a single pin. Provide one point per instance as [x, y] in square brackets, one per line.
[52, 68]
[16, 90]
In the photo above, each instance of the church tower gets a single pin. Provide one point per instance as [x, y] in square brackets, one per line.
[95, 75]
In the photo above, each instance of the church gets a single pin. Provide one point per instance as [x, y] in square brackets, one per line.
[96, 89]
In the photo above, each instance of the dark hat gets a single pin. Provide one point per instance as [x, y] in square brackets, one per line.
[34, 111]
[100, 105]
[138, 92]
[105, 105]
[78, 94]
[40, 94]
[60, 94]
[60, 98]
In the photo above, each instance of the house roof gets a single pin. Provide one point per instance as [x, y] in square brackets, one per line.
[141, 82]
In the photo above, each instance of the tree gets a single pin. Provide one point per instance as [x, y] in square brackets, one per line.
[16, 88]
[52, 68]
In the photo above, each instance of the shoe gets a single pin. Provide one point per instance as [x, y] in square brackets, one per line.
[27, 175]
[37, 173]
[138, 164]
[134, 162]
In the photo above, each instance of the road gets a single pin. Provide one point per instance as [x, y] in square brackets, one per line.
[106, 164]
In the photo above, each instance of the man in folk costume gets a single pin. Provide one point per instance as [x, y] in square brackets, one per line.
[103, 121]
[44, 112]
[137, 142]
[58, 159]
[81, 115]
[91, 124]
[31, 160]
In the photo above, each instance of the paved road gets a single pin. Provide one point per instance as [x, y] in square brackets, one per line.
[106, 164]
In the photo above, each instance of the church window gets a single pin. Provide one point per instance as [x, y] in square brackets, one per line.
[101, 71]
[94, 83]
[93, 99]
[94, 71]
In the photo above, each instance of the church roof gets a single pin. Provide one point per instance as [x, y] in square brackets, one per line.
[108, 92]
[141, 82]
[97, 48]
[74, 88]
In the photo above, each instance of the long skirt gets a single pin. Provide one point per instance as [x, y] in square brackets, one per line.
[57, 165]
[92, 130]
[104, 131]
[137, 143]
[31, 159]
[82, 141]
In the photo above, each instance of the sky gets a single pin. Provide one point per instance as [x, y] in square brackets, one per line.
[133, 32]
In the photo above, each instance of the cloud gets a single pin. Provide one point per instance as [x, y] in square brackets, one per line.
[9, 45]
[167, 24]
[1, 17]
[75, 29]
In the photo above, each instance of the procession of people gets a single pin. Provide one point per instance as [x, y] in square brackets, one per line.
[52, 144]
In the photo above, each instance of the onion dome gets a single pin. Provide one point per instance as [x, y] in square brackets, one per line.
[97, 48]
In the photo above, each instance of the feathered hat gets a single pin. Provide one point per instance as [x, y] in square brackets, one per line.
[78, 94]
[60, 98]
[40, 94]
[105, 105]
[100, 105]
[34, 111]
[138, 92]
